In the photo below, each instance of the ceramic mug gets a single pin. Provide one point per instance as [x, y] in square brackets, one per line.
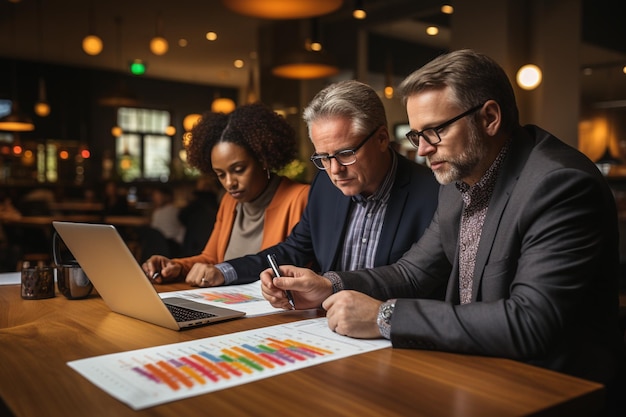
[72, 281]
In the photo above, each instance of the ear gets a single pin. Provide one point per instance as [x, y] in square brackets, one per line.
[382, 138]
[492, 117]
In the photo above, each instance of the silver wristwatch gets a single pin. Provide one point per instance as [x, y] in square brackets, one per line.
[384, 318]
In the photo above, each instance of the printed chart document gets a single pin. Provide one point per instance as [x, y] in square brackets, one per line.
[148, 377]
[245, 297]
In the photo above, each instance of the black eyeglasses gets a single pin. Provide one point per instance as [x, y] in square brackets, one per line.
[344, 158]
[431, 135]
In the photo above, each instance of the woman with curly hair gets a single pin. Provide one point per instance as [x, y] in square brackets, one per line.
[259, 209]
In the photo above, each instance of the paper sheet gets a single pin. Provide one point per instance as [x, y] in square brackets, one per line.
[245, 297]
[148, 377]
[10, 278]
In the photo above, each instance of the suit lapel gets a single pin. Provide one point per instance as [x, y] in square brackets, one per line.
[340, 210]
[395, 208]
[449, 210]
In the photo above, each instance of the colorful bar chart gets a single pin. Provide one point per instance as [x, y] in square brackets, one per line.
[246, 298]
[227, 297]
[152, 376]
[237, 361]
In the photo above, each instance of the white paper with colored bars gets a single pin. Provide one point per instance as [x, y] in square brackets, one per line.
[244, 297]
[148, 377]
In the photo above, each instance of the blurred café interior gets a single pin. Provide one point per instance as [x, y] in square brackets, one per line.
[94, 92]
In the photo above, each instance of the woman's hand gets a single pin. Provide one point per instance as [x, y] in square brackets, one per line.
[161, 270]
[204, 275]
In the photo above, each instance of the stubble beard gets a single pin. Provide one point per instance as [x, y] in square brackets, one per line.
[462, 166]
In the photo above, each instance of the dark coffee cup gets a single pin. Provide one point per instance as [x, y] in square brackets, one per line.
[72, 281]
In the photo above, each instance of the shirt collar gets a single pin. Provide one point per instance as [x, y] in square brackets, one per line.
[382, 193]
[487, 181]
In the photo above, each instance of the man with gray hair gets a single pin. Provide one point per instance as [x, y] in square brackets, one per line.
[367, 204]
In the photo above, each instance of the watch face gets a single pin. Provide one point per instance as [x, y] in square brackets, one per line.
[387, 311]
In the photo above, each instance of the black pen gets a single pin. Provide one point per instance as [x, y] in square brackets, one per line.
[271, 258]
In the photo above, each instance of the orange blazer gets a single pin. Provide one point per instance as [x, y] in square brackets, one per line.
[283, 212]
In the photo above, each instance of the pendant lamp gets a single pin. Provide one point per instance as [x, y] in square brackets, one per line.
[307, 62]
[15, 121]
[359, 11]
[92, 43]
[305, 65]
[42, 107]
[222, 104]
[158, 44]
[283, 9]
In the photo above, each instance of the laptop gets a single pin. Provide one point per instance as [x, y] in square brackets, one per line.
[117, 276]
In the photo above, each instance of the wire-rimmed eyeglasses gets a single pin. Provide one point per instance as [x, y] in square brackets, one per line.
[431, 134]
[344, 158]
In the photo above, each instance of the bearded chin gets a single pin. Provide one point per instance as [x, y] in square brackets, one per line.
[463, 165]
[448, 176]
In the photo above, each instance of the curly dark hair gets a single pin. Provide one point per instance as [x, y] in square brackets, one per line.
[264, 134]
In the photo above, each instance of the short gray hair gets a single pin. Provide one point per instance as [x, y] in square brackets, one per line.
[348, 99]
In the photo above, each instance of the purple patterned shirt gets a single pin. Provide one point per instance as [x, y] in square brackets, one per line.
[476, 201]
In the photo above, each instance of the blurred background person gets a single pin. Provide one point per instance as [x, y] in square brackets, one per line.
[114, 199]
[164, 219]
[198, 216]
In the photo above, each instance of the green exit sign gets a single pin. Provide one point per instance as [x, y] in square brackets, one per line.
[137, 67]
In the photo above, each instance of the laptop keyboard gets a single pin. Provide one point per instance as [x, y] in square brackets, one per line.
[184, 314]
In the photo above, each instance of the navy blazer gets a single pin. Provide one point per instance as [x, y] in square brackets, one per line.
[316, 241]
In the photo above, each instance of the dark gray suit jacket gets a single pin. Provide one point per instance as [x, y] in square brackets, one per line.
[316, 241]
[545, 287]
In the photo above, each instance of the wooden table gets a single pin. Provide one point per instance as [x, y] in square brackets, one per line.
[38, 337]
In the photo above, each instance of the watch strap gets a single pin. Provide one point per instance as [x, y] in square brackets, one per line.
[385, 311]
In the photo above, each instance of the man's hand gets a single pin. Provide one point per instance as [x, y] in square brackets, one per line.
[307, 288]
[204, 275]
[353, 314]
